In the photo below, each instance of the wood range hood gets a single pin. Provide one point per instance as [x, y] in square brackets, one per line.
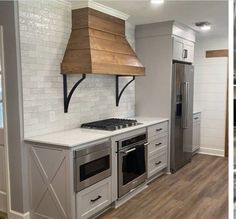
[98, 45]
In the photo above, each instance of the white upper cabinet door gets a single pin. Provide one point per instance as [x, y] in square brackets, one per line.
[183, 50]
[178, 48]
[188, 53]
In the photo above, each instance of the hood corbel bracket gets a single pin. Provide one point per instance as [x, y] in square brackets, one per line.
[118, 95]
[68, 98]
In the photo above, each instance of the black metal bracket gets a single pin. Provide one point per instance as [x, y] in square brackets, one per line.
[68, 98]
[118, 95]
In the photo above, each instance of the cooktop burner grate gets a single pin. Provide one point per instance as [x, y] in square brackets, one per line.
[110, 124]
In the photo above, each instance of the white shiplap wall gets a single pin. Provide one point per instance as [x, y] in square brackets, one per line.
[210, 94]
[45, 27]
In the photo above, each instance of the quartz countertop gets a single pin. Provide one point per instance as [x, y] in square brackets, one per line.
[80, 136]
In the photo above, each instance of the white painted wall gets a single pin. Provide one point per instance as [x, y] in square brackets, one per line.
[210, 94]
[3, 194]
[45, 27]
[3, 149]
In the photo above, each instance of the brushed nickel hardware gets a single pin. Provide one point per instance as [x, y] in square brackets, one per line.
[128, 151]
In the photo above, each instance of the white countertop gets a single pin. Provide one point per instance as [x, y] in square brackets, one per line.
[80, 136]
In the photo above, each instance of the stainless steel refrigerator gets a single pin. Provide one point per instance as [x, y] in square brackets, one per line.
[181, 115]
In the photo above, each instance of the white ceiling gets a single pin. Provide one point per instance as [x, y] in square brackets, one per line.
[187, 12]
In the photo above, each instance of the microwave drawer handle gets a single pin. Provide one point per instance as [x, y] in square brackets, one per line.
[96, 199]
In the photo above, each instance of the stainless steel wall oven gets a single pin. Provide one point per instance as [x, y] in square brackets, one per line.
[92, 165]
[132, 159]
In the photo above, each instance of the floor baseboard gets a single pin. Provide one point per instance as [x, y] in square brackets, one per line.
[17, 215]
[210, 151]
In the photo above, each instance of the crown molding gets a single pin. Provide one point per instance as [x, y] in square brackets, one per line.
[99, 7]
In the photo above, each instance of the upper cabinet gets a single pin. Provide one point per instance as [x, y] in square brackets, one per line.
[157, 45]
[183, 50]
[182, 37]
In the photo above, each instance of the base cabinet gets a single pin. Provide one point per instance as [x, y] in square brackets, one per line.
[196, 131]
[158, 148]
[51, 183]
[51, 177]
[93, 199]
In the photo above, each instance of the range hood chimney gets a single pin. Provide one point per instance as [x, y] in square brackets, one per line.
[98, 45]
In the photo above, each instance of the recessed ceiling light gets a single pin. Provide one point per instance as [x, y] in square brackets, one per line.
[204, 25]
[157, 1]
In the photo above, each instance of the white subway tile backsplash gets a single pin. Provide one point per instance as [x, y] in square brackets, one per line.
[45, 27]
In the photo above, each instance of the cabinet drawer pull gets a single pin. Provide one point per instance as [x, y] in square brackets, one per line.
[158, 129]
[94, 200]
[196, 118]
[158, 144]
[158, 163]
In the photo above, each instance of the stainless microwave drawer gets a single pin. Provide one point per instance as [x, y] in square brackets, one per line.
[92, 167]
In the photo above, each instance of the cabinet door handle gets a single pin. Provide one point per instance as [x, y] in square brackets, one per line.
[158, 129]
[94, 200]
[185, 54]
[158, 163]
[158, 144]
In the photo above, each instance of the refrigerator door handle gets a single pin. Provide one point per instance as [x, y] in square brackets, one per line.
[185, 104]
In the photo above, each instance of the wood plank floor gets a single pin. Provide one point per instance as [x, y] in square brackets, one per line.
[3, 215]
[197, 191]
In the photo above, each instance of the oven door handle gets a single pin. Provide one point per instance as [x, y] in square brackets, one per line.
[128, 151]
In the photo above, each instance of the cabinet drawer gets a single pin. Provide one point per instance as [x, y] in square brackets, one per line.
[93, 199]
[196, 117]
[159, 128]
[156, 163]
[158, 144]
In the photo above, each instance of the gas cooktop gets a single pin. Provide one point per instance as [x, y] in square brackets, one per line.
[111, 124]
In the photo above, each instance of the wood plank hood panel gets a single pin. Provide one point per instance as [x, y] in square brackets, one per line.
[98, 45]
